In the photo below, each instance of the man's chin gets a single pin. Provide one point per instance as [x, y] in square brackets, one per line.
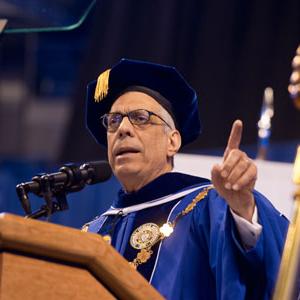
[125, 170]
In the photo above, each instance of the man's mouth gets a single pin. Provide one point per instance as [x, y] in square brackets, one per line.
[125, 151]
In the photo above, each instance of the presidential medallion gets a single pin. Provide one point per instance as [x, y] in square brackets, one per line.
[145, 236]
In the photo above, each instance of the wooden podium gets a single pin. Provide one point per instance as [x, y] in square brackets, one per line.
[39, 260]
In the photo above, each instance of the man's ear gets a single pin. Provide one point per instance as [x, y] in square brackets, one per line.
[174, 142]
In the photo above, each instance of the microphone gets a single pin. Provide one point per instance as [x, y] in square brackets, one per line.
[70, 178]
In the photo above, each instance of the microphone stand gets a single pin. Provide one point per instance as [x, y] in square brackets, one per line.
[48, 193]
[54, 194]
[288, 282]
[264, 124]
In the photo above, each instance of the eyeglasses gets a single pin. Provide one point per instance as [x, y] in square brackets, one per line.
[112, 121]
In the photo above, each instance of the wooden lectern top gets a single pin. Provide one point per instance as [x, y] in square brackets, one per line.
[70, 247]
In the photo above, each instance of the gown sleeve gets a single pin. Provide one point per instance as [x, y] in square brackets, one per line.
[242, 273]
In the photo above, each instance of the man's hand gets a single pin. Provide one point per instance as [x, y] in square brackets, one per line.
[235, 177]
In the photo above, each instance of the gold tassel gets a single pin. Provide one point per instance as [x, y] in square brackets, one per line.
[102, 86]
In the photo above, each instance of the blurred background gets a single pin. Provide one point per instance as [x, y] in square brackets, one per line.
[229, 51]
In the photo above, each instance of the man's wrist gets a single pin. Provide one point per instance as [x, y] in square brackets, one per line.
[249, 231]
[245, 208]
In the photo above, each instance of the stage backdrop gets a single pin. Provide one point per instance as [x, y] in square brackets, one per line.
[274, 178]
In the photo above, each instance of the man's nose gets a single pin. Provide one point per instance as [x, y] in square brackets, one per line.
[125, 128]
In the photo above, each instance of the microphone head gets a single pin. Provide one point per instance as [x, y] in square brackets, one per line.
[98, 171]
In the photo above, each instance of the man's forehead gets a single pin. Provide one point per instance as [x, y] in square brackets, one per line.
[135, 100]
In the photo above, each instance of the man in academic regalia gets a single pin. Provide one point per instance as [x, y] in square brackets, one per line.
[191, 238]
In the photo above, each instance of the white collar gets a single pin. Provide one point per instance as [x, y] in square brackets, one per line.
[126, 210]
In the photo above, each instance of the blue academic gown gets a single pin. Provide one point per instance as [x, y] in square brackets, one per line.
[204, 257]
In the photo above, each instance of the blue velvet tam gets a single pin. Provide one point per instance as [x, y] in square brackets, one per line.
[164, 83]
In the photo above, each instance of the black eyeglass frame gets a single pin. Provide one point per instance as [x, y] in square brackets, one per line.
[130, 115]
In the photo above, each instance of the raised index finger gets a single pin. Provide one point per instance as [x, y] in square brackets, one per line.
[235, 137]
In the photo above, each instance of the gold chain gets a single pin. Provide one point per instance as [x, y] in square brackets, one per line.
[165, 231]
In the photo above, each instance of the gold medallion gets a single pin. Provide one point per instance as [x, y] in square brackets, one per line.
[145, 236]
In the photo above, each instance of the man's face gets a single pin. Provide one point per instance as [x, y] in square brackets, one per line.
[139, 153]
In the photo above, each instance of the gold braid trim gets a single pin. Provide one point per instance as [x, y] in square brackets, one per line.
[194, 202]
